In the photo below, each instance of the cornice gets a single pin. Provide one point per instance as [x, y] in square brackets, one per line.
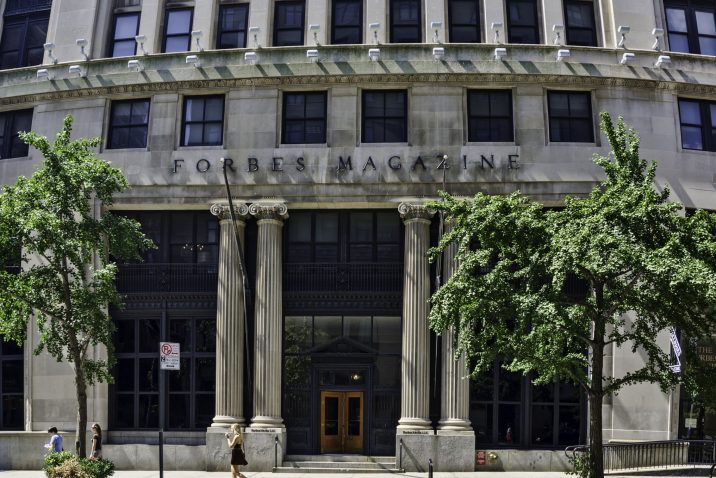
[580, 81]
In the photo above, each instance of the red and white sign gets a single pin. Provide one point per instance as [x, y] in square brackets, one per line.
[169, 356]
[480, 457]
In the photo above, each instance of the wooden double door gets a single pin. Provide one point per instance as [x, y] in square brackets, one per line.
[342, 421]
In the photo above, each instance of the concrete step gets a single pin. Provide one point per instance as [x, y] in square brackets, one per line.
[338, 464]
[282, 469]
[335, 458]
[363, 465]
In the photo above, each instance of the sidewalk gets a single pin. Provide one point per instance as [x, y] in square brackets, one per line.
[263, 474]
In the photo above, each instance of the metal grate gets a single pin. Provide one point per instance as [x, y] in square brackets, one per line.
[167, 278]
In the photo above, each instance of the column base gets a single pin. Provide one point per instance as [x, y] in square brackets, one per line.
[449, 450]
[411, 423]
[218, 453]
[267, 422]
[225, 421]
[456, 450]
[455, 424]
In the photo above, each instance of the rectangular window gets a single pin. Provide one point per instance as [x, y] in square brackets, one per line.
[691, 26]
[203, 123]
[177, 30]
[22, 39]
[698, 124]
[405, 21]
[12, 122]
[347, 22]
[126, 27]
[522, 24]
[288, 20]
[570, 117]
[385, 116]
[128, 124]
[233, 20]
[12, 386]
[490, 115]
[304, 118]
[464, 20]
[579, 23]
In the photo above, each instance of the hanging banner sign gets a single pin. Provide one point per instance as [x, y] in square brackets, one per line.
[169, 356]
[676, 346]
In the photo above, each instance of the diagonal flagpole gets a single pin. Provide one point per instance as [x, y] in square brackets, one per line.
[244, 275]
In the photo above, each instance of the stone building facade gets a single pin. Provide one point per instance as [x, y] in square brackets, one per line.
[336, 121]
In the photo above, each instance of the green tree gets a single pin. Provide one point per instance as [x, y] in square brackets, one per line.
[645, 267]
[66, 283]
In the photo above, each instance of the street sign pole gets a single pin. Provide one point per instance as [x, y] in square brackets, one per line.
[169, 359]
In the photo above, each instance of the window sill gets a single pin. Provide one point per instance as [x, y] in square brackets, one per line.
[194, 147]
[122, 150]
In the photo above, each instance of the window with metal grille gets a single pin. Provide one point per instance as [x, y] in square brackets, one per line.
[304, 118]
[233, 20]
[288, 22]
[347, 22]
[11, 123]
[570, 117]
[691, 26]
[203, 123]
[177, 30]
[464, 21]
[385, 116]
[579, 23]
[490, 115]
[128, 124]
[698, 124]
[522, 24]
[405, 21]
[124, 29]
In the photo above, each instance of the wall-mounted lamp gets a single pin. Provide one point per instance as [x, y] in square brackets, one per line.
[435, 27]
[627, 57]
[557, 29]
[563, 54]
[623, 30]
[658, 34]
[196, 35]
[500, 53]
[82, 43]
[251, 57]
[661, 62]
[43, 74]
[374, 54]
[140, 39]
[312, 56]
[134, 65]
[374, 27]
[193, 60]
[48, 48]
[255, 32]
[76, 70]
[497, 26]
[439, 53]
[315, 28]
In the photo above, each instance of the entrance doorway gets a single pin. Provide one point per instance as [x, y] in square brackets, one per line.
[341, 422]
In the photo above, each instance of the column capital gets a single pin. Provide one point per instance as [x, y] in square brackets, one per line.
[275, 210]
[221, 210]
[415, 210]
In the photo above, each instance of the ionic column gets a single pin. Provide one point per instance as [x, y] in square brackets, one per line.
[230, 309]
[455, 395]
[415, 363]
[269, 314]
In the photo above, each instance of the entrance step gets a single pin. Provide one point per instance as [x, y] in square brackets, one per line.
[338, 464]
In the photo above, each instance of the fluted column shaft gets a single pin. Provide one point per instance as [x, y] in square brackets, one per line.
[415, 364]
[455, 395]
[269, 314]
[230, 310]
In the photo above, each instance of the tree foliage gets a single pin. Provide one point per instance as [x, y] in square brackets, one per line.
[552, 289]
[50, 224]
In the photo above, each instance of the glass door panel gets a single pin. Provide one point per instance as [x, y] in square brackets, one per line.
[341, 422]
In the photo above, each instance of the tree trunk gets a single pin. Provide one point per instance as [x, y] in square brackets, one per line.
[81, 390]
[596, 397]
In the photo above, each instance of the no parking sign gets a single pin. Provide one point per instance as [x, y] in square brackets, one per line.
[169, 356]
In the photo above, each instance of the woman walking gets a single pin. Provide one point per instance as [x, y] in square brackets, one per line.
[96, 451]
[235, 439]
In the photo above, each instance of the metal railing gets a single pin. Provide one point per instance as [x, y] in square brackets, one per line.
[355, 277]
[167, 278]
[653, 454]
[400, 457]
[275, 453]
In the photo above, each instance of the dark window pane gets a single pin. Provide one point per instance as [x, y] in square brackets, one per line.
[405, 21]
[288, 23]
[357, 328]
[124, 411]
[11, 348]
[148, 411]
[327, 227]
[126, 28]
[11, 123]
[481, 419]
[204, 410]
[522, 21]
[387, 371]
[297, 370]
[180, 380]
[12, 412]
[691, 138]
[347, 22]
[180, 332]
[361, 227]
[124, 336]
[149, 336]
[178, 411]
[12, 376]
[206, 335]
[125, 375]
[149, 374]
[569, 418]
[508, 424]
[542, 425]
[326, 329]
[232, 26]
[205, 375]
